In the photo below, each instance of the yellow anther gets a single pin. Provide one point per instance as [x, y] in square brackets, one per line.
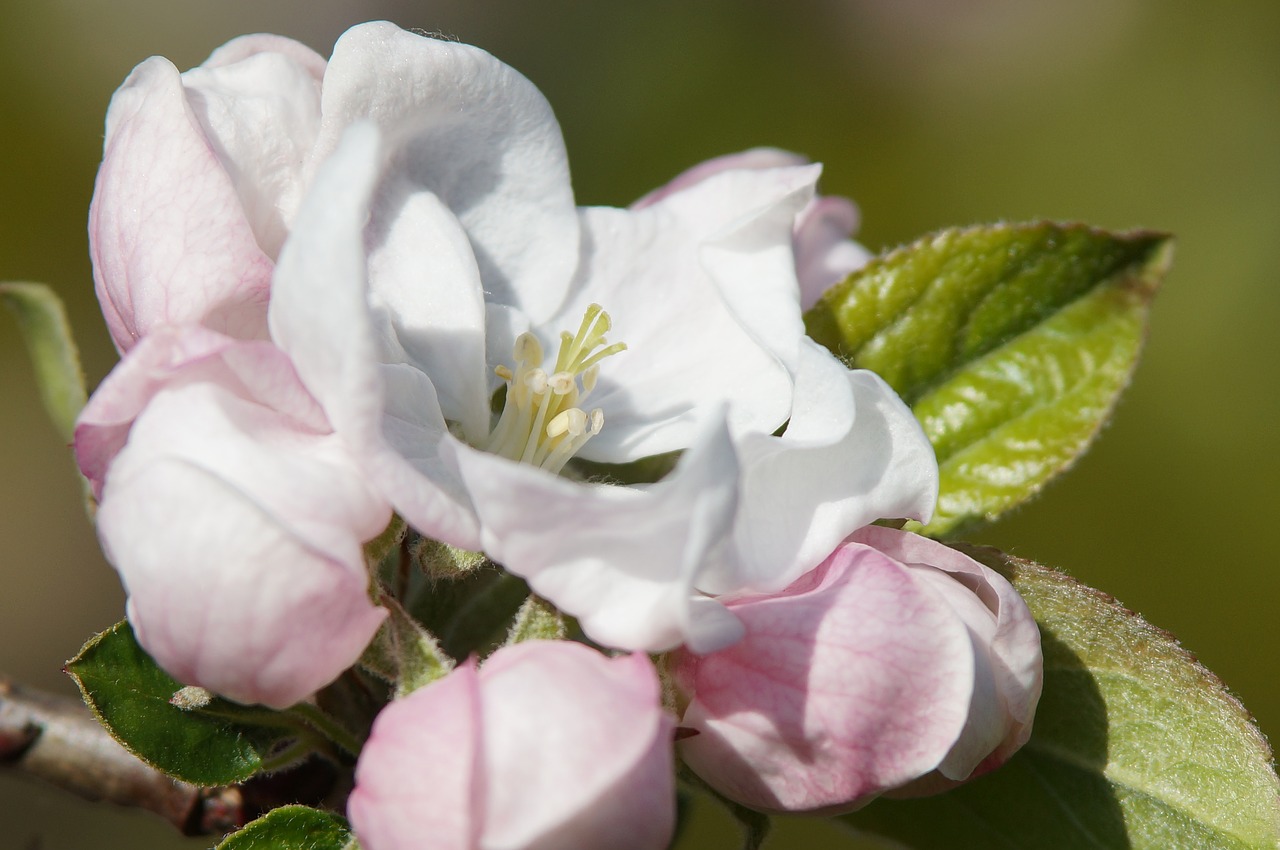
[542, 421]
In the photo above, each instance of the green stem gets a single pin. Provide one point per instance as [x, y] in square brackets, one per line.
[291, 754]
[314, 718]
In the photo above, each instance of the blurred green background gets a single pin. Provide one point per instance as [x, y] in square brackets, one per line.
[1121, 113]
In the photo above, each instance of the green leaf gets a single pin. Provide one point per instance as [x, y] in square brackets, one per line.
[292, 828]
[214, 743]
[53, 351]
[1135, 744]
[1011, 343]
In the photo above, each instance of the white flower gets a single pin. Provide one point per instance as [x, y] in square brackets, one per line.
[437, 255]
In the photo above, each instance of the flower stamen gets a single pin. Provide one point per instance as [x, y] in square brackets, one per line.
[543, 421]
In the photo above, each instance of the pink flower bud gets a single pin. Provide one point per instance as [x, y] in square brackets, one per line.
[896, 659]
[548, 746]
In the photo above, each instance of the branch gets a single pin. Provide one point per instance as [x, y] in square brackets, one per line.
[58, 740]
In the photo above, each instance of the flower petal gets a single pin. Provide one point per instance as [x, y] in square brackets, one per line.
[755, 158]
[853, 680]
[598, 771]
[701, 287]
[185, 354]
[238, 537]
[477, 135]
[320, 315]
[258, 102]
[420, 780]
[825, 255]
[852, 453]
[622, 560]
[1006, 642]
[167, 232]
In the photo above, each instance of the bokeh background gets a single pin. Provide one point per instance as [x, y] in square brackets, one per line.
[1121, 113]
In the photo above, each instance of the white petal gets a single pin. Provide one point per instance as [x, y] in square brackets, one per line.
[622, 560]
[701, 287]
[478, 135]
[428, 303]
[852, 453]
[261, 114]
[320, 315]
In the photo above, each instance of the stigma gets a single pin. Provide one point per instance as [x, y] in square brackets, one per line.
[544, 421]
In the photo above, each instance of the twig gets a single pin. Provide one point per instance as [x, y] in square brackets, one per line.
[57, 740]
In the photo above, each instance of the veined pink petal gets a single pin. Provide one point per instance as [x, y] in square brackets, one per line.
[168, 235]
[174, 355]
[898, 666]
[233, 514]
[1006, 642]
[238, 538]
[854, 679]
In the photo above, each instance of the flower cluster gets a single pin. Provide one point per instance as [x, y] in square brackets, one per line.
[350, 288]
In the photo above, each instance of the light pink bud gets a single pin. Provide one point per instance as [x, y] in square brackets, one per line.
[897, 658]
[548, 746]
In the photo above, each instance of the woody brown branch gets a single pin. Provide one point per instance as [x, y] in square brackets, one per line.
[57, 739]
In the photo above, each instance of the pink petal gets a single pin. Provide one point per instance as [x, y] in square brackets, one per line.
[1006, 644]
[553, 746]
[578, 750]
[168, 234]
[238, 539]
[420, 780]
[853, 680]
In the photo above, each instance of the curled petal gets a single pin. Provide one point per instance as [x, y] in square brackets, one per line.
[853, 680]
[825, 255]
[623, 560]
[755, 158]
[1006, 646]
[852, 453]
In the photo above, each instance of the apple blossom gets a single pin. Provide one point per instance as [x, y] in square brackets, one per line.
[233, 514]
[897, 662]
[548, 744]
[404, 310]
[406, 211]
